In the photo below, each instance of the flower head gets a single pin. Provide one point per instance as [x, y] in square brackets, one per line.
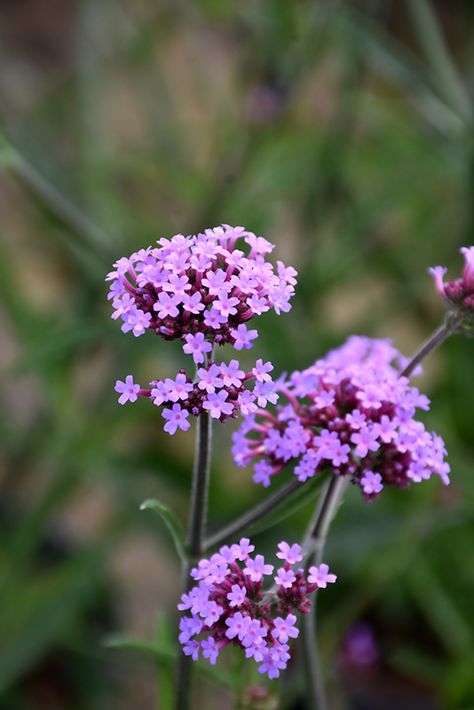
[352, 412]
[229, 605]
[201, 288]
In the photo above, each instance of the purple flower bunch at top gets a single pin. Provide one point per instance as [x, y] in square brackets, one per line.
[460, 292]
[228, 604]
[350, 412]
[201, 289]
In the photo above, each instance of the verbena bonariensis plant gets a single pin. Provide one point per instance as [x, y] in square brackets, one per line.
[351, 414]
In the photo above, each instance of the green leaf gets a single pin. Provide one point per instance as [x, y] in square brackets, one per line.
[171, 522]
[38, 617]
[167, 655]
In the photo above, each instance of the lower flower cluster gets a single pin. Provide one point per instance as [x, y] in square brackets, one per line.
[228, 605]
[218, 389]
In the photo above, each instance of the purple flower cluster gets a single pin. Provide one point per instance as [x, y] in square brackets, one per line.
[228, 605]
[200, 288]
[352, 412]
[460, 292]
[219, 389]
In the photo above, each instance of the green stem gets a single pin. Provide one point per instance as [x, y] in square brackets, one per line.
[448, 328]
[314, 544]
[251, 516]
[195, 540]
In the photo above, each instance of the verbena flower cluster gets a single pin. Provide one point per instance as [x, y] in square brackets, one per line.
[200, 288]
[351, 412]
[219, 389]
[228, 605]
[460, 292]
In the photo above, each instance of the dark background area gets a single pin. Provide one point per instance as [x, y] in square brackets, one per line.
[341, 131]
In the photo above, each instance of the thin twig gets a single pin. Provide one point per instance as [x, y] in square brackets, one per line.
[195, 539]
[251, 516]
[314, 545]
[448, 328]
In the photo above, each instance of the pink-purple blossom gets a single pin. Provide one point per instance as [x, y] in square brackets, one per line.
[176, 418]
[224, 390]
[350, 412]
[321, 576]
[200, 284]
[230, 606]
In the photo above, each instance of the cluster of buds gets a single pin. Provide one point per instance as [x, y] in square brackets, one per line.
[459, 292]
[200, 289]
[228, 605]
[352, 412]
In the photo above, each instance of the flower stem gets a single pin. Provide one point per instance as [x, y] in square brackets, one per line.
[314, 544]
[445, 330]
[252, 516]
[195, 539]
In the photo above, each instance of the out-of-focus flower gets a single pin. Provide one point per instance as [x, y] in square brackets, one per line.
[359, 646]
[350, 412]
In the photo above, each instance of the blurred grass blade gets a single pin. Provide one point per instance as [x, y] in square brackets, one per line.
[164, 634]
[171, 522]
[60, 206]
[437, 55]
[303, 495]
[164, 654]
[35, 619]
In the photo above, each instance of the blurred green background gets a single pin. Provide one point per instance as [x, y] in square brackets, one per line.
[343, 132]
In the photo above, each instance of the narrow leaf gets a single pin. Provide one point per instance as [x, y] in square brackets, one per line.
[171, 522]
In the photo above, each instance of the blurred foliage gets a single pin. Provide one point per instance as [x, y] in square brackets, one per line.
[342, 131]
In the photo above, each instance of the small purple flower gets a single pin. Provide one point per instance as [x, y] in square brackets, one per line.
[176, 418]
[256, 568]
[217, 404]
[243, 337]
[325, 399]
[285, 577]
[371, 483]
[289, 553]
[265, 392]
[243, 549]
[263, 472]
[166, 305]
[226, 305]
[192, 304]
[179, 388]
[366, 440]
[321, 576]
[192, 648]
[196, 345]
[261, 370]
[211, 613]
[210, 650]
[231, 375]
[214, 319]
[237, 596]
[238, 625]
[285, 628]
[210, 379]
[128, 389]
